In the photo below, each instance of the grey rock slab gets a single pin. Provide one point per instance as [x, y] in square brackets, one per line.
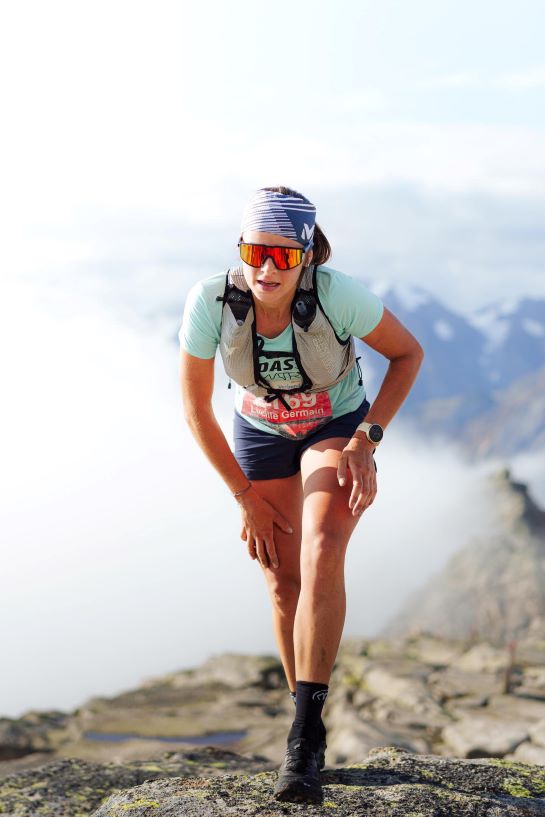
[482, 657]
[234, 670]
[388, 783]
[74, 788]
[434, 651]
[361, 699]
[405, 691]
[526, 691]
[351, 736]
[454, 682]
[460, 708]
[531, 652]
[515, 706]
[533, 677]
[528, 752]
[537, 733]
[484, 736]
[32, 732]
[388, 712]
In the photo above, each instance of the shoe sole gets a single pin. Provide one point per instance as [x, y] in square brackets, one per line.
[295, 791]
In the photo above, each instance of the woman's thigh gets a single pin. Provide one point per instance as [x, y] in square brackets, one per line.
[326, 515]
[285, 494]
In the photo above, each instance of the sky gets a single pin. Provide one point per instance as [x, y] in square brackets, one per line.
[135, 132]
[171, 112]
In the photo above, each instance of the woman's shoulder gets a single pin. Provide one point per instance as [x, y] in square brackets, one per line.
[201, 323]
[329, 279]
[328, 274]
[208, 288]
[349, 303]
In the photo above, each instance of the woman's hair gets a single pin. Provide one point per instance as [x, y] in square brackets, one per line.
[321, 248]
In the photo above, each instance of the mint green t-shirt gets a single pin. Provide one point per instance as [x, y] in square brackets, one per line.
[352, 309]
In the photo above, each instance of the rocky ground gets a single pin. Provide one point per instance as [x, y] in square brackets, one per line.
[389, 782]
[420, 693]
[438, 702]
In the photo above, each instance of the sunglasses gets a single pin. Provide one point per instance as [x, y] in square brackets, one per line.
[283, 257]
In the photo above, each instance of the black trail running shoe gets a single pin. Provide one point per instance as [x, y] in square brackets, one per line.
[298, 776]
[320, 752]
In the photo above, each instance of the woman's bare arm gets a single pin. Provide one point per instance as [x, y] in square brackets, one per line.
[258, 515]
[197, 386]
[394, 341]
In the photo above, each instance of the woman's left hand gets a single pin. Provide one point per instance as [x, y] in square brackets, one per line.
[358, 457]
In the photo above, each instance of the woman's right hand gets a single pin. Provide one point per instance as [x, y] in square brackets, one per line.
[258, 518]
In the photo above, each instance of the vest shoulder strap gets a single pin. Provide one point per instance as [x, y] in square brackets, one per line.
[236, 295]
[305, 301]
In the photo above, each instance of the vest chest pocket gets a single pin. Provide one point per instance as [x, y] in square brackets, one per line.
[279, 369]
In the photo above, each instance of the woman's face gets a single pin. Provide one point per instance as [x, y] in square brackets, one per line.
[270, 285]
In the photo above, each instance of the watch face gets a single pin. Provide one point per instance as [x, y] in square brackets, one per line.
[376, 433]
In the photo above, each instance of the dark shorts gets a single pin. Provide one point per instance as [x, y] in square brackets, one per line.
[269, 456]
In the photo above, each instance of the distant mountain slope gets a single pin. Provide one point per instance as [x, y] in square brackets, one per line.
[475, 368]
[515, 332]
[516, 422]
[453, 347]
[494, 587]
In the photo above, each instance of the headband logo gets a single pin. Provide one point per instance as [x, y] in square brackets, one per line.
[307, 231]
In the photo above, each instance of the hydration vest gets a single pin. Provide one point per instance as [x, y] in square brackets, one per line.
[322, 358]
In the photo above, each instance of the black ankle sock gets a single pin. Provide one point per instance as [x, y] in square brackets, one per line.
[309, 702]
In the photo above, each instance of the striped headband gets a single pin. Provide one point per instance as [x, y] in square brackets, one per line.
[272, 212]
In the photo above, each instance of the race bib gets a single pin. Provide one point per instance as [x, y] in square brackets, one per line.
[307, 412]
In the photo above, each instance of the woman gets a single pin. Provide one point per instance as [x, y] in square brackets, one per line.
[303, 469]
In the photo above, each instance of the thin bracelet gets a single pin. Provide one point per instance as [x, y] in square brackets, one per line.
[238, 493]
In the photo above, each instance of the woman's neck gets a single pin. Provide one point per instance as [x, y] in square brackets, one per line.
[274, 314]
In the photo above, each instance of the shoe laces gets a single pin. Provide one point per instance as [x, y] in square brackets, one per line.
[299, 755]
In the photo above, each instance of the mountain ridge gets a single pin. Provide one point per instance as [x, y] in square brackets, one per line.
[476, 365]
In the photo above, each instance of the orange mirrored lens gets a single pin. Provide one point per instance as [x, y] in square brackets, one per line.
[283, 257]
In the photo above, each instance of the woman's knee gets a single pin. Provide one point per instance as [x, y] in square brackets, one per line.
[284, 592]
[323, 551]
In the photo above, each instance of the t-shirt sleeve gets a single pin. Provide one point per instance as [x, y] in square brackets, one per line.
[198, 333]
[351, 306]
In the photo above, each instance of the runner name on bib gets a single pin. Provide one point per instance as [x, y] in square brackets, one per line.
[307, 411]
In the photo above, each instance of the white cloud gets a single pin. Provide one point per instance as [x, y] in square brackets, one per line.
[529, 79]
[458, 79]
[150, 124]
[443, 330]
[106, 506]
[525, 80]
[357, 101]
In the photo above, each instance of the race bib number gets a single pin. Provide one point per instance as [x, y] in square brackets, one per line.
[307, 412]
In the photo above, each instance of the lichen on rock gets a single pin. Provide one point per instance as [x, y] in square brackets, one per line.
[388, 783]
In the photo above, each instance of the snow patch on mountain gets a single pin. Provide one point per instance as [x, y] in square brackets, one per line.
[443, 329]
[495, 320]
[409, 297]
[534, 328]
[508, 306]
[490, 323]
